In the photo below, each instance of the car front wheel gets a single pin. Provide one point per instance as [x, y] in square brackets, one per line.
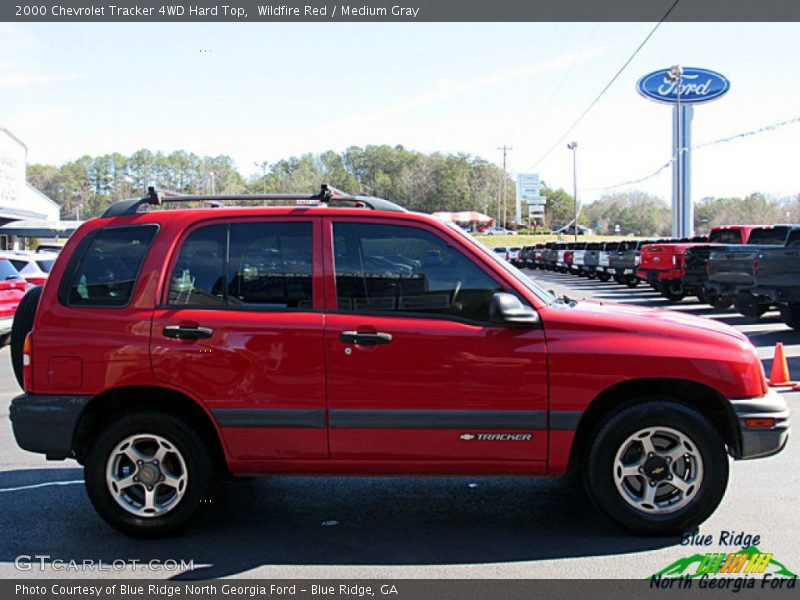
[658, 467]
[149, 473]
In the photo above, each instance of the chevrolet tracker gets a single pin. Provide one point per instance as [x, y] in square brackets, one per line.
[344, 335]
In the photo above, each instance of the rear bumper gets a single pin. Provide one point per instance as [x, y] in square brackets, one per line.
[5, 325]
[758, 442]
[651, 276]
[46, 424]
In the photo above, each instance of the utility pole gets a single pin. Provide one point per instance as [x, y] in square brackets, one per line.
[574, 147]
[506, 150]
[263, 165]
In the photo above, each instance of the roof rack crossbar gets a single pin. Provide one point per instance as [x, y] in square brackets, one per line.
[326, 195]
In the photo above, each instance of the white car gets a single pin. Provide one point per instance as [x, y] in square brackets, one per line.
[33, 266]
[499, 231]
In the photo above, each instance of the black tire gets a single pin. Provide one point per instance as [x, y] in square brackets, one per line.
[604, 277]
[749, 306]
[717, 301]
[702, 297]
[673, 291]
[23, 323]
[631, 281]
[610, 436]
[200, 471]
[790, 314]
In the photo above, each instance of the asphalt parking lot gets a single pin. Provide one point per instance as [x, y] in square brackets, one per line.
[287, 527]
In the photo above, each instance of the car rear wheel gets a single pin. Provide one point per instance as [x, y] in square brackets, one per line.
[672, 290]
[749, 306]
[657, 467]
[631, 281]
[149, 474]
[790, 314]
[22, 326]
[717, 301]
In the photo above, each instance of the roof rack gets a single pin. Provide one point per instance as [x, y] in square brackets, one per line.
[326, 195]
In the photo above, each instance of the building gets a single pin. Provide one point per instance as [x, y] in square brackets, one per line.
[21, 205]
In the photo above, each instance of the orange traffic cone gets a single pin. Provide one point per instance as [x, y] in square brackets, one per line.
[779, 375]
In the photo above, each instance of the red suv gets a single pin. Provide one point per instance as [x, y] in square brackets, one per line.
[174, 347]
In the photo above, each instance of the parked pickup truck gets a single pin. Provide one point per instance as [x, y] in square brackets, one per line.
[590, 259]
[731, 270]
[663, 265]
[777, 278]
[603, 258]
[622, 263]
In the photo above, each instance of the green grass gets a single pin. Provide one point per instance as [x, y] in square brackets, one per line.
[529, 240]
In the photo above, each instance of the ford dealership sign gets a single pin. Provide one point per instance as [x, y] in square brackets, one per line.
[697, 86]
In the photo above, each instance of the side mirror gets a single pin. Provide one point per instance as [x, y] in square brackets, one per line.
[509, 310]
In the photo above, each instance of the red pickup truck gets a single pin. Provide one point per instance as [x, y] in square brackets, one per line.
[663, 265]
[345, 335]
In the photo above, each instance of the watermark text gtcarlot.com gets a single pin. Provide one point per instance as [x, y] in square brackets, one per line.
[44, 562]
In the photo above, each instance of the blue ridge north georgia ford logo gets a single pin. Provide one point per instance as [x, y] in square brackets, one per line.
[696, 86]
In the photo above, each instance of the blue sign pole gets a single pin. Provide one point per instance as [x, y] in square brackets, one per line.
[682, 206]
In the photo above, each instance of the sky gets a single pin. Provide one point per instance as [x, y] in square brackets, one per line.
[266, 91]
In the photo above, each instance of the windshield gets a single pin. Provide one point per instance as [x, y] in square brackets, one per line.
[540, 292]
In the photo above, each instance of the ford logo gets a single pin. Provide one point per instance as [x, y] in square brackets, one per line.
[697, 86]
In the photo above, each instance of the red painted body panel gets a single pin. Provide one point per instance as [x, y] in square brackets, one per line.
[295, 360]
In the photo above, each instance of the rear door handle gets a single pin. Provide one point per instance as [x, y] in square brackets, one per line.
[182, 332]
[365, 339]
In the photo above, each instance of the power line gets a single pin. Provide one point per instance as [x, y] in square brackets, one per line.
[608, 85]
[724, 140]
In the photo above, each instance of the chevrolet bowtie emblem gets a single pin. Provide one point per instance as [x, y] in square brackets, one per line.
[467, 436]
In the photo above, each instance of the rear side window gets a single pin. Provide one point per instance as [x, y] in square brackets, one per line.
[7, 270]
[45, 265]
[109, 267]
[245, 265]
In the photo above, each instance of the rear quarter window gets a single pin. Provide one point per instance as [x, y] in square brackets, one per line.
[105, 267]
[7, 270]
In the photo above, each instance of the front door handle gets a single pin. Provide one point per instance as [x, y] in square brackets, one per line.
[361, 338]
[182, 332]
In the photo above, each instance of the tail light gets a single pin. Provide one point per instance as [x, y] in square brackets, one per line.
[13, 284]
[37, 280]
[755, 266]
[27, 363]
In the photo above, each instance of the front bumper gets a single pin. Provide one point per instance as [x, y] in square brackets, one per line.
[758, 442]
[46, 424]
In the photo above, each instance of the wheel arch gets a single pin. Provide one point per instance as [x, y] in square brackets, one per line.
[703, 398]
[114, 402]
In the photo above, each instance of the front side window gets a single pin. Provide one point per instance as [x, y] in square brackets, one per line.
[245, 265]
[395, 269]
[108, 270]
